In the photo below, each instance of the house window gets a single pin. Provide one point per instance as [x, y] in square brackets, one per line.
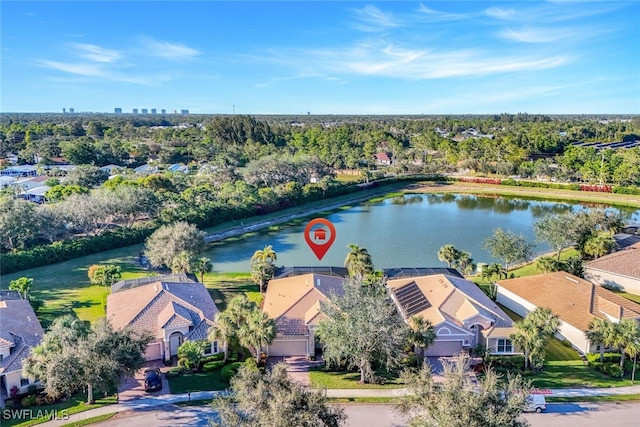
[24, 382]
[504, 346]
[215, 346]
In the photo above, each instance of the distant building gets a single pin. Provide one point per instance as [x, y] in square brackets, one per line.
[184, 111]
[71, 111]
[153, 111]
[64, 110]
[163, 111]
[145, 111]
[135, 111]
[117, 110]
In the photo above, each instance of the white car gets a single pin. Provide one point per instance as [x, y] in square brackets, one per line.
[535, 403]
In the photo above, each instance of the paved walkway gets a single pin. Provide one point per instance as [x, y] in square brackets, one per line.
[165, 399]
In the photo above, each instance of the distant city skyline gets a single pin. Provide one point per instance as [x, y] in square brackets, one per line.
[298, 57]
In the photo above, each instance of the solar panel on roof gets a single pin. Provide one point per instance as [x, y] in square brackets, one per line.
[411, 299]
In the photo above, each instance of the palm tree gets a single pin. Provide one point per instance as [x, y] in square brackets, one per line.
[266, 255]
[524, 337]
[262, 267]
[626, 334]
[599, 245]
[632, 350]
[257, 331]
[422, 335]
[201, 266]
[464, 262]
[600, 332]
[448, 254]
[181, 263]
[358, 262]
[223, 331]
[547, 264]
[532, 332]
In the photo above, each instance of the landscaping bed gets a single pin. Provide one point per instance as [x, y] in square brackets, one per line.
[320, 378]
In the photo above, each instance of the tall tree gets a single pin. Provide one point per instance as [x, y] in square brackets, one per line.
[599, 245]
[448, 254]
[202, 266]
[273, 400]
[168, 241]
[508, 246]
[554, 231]
[493, 402]
[263, 267]
[362, 328]
[547, 264]
[627, 332]
[602, 333]
[358, 262]
[532, 333]
[464, 263]
[422, 335]
[258, 331]
[23, 285]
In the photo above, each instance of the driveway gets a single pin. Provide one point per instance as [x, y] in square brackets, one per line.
[297, 367]
[133, 388]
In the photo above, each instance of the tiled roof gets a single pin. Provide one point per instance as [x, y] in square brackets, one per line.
[21, 329]
[293, 301]
[625, 262]
[576, 301]
[451, 299]
[159, 305]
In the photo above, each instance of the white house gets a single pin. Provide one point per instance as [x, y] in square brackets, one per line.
[574, 300]
[619, 270]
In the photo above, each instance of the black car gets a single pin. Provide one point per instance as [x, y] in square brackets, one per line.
[152, 381]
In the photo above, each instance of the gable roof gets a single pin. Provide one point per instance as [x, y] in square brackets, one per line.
[132, 283]
[625, 262]
[442, 298]
[158, 305]
[575, 300]
[21, 329]
[294, 302]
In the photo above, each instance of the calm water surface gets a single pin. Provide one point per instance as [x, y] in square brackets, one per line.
[404, 231]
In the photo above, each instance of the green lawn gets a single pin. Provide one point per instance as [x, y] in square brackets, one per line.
[70, 406]
[346, 380]
[632, 297]
[91, 420]
[200, 381]
[573, 374]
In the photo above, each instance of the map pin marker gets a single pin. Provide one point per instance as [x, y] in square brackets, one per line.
[320, 235]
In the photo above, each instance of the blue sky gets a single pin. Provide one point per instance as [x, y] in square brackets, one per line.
[294, 57]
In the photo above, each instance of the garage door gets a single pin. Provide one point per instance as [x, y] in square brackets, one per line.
[288, 348]
[444, 348]
[153, 351]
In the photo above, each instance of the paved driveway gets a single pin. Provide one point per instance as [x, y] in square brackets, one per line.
[133, 388]
[298, 367]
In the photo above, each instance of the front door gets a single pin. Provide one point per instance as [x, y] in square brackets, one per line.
[175, 340]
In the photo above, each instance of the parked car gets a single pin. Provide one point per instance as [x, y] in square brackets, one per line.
[152, 380]
[535, 403]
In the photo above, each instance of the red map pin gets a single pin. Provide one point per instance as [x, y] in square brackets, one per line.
[320, 235]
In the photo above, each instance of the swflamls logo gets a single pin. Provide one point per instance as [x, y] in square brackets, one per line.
[31, 414]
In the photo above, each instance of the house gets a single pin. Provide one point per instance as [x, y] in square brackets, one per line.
[6, 181]
[172, 312]
[177, 167]
[618, 270]
[146, 169]
[112, 169]
[382, 159]
[294, 303]
[574, 300]
[20, 332]
[36, 195]
[320, 234]
[20, 171]
[461, 314]
[29, 183]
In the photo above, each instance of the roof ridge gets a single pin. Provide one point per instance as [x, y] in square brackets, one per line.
[477, 302]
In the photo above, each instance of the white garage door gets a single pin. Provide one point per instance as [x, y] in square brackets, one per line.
[153, 351]
[288, 348]
[444, 348]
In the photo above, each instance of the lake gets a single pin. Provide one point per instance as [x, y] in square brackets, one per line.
[403, 231]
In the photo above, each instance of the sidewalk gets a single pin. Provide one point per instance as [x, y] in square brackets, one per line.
[167, 399]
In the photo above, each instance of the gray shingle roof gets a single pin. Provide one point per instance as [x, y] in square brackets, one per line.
[21, 329]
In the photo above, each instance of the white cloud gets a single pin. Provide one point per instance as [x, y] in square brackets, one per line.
[435, 15]
[168, 50]
[97, 53]
[373, 19]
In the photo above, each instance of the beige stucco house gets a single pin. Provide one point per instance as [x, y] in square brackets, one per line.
[20, 331]
[619, 270]
[574, 300]
[294, 303]
[173, 312]
[461, 314]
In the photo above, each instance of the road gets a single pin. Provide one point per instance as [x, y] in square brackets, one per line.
[624, 414]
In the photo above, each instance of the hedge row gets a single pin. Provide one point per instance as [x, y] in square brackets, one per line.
[607, 357]
[627, 190]
[553, 185]
[66, 250]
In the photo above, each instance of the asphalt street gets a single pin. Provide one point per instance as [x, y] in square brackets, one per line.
[623, 414]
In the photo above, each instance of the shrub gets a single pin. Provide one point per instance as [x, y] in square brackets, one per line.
[212, 366]
[614, 370]
[178, 370]
[608, 357]
[627, 190]
[229, 371]
[505, 362]
[212, 358]
[28, 401]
